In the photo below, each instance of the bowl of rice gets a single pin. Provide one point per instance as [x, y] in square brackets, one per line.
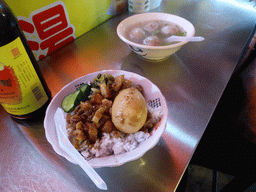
[111, 147]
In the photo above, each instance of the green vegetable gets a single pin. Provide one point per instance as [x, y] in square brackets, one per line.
[85, 89]
[70, 102]
[156, 32]
[101, 78]
[182, 34]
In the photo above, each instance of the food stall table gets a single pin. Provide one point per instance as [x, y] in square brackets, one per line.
[192, 81]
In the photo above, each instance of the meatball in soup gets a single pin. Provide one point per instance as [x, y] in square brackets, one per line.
[154, 32]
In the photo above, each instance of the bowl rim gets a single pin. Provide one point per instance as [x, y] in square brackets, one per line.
[120, 25]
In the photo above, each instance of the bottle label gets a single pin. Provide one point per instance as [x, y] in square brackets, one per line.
[21, 91]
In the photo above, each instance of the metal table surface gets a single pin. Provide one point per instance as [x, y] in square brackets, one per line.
[192, 81]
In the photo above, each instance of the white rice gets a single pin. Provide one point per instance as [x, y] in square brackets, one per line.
[110, 144]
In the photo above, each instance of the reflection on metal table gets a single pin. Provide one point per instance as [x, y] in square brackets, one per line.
[192, 81]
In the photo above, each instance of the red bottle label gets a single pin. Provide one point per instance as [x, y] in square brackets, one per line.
[9, 86]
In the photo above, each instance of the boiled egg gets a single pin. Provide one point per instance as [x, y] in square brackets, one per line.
[129, 110]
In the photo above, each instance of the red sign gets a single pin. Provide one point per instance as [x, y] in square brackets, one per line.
[47, 29]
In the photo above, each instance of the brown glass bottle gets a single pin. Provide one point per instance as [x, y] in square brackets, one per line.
[18, 70]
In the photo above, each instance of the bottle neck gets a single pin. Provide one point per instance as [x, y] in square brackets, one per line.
[9, 29]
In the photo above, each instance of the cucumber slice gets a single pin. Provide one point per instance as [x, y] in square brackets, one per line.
[85, 89]
[71, 101]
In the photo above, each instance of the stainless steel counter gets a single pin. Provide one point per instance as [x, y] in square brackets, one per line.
[192, 80]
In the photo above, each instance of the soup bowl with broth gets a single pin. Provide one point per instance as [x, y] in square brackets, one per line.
[145, 34]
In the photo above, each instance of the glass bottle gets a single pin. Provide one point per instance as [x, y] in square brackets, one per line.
[23, 91]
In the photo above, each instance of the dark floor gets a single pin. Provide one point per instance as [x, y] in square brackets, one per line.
[200, 180]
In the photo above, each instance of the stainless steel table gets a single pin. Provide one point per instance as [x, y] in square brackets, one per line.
[192, 80]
